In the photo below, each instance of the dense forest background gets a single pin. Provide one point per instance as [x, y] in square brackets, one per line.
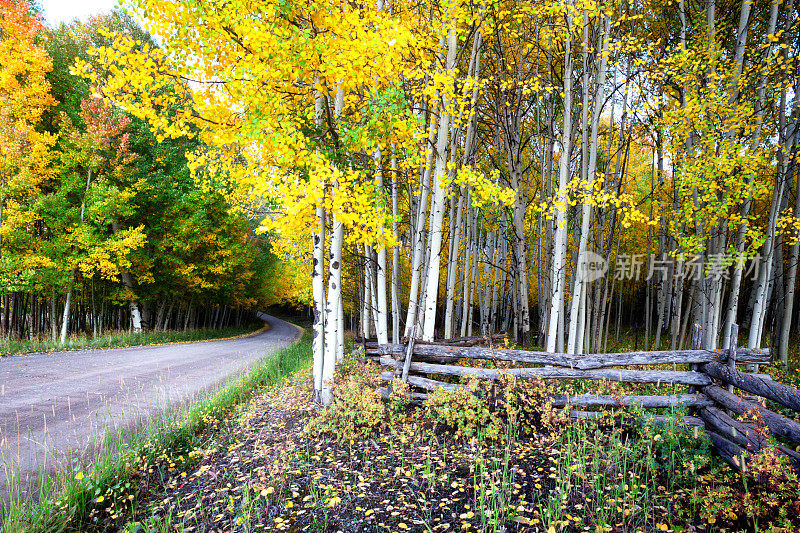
[103, 227]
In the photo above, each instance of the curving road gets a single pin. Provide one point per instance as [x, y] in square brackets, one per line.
[56, 405]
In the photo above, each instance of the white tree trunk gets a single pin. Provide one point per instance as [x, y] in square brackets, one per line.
[366, 310]
[465, 287]
[452, 269]
[418, 253]
[382, 309]
[334, 321]
[765, 272]
[317, 275]
[340, 330]
[439, 201]
[318, 293]
[560, 238]
[65, 316]
[580, 283]
[395, 258]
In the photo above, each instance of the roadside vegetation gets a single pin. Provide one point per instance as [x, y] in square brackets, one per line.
[475, 459]
[68, 499]
[122, 339]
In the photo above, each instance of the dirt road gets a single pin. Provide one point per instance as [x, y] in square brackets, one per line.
[56, 405]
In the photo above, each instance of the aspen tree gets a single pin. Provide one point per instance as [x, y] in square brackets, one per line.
[438, 202]
[580, 281]
[558, 270]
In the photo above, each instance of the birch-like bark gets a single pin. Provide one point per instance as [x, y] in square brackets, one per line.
[372, 277]
[382, 309]
[560, 238]
[490, 273]
[439, 200]
[580, 281]
[765, 272]
[469, 149]
[127, 281]
[474, 277]
[333, 321]
[791, 275]
[340, 331]
[736, 280]
[520, 254]
[395, 257]
[318, 280]
[366, 304]
[418, 253]
[68, 302]
[452, 268]
[465, 286]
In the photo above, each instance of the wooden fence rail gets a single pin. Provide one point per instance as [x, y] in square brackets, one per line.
[683, 377]
[715, 406]
[579, 362]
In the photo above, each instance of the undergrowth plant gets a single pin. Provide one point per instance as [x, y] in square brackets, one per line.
[489, 408]
[764, 494]
[357, 409]
[465, 410]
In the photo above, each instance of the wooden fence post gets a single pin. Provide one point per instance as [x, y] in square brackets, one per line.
[732, 350]
[409, 352]
[697, 336]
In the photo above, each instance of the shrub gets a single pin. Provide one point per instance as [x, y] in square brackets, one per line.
[465, 410]
[493, 408]
[525, 403]
[357, 408]
[766, 496]
[399, 399]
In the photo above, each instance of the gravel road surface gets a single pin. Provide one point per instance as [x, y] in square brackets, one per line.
[56, 405]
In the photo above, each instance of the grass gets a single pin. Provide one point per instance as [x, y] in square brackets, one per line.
[121, 339]
[279, 463]
[67, 499]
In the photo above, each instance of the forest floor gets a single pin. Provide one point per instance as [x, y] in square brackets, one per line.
[281, 463]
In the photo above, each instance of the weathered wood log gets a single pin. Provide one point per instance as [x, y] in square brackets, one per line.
[580, 362]
[484, 340]
[416, 398]
[422, 383]
[583, 400]
[609, 374]
[455, 341]
[772, 390]
[419, 397]
[779, 425]
[648, 402]
[791, 453]
[730, 452]
[657, 419]
[737, 431]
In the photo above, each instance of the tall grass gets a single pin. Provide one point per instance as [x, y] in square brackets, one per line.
[121, 339]
[62, 499]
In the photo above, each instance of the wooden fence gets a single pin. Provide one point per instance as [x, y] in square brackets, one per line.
[712, 378]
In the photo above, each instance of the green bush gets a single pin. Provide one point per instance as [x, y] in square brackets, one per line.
[357, 409]
[465, 410]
